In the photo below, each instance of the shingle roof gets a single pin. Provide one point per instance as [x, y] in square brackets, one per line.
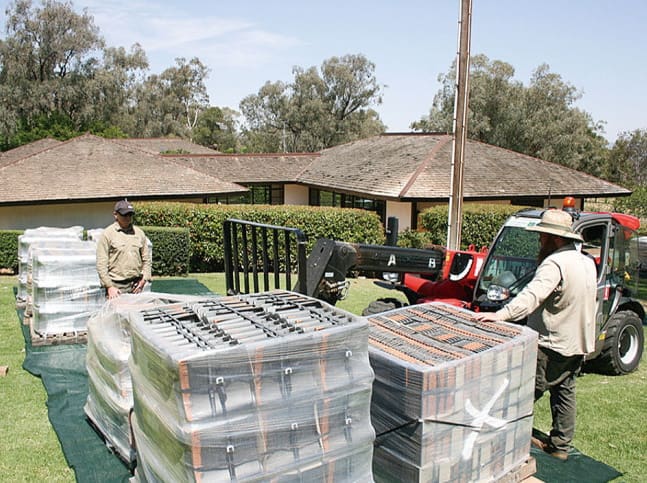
[27, 150]
[90, 167]
[250, 168]
[418, 166]
[164, 145]
[404, 167]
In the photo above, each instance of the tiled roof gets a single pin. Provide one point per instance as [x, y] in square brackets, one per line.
[250, 168]
[90, 167]
[418, 166]
[164, 145]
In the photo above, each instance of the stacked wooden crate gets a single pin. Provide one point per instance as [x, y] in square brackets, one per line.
[452, 398]
[110, 395]
[256, 387]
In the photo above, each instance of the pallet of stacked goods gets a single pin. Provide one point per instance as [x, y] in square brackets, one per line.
[110, 397]
[65, 290]
[452, 398]
[257, 387]
[31, 236]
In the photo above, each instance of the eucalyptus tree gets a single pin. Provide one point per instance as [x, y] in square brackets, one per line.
[170, 103]
[318, 109]
[217, 128]
[47, 53]
[540, 119]
[628, 159]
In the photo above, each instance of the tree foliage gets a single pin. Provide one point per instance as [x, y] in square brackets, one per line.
[217, 128]
[58, 79]
[540, 119]
[317, 110]
[45, 55]
[628, 159]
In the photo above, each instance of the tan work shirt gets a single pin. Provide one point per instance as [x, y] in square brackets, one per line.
[560, 302]
[122, 255]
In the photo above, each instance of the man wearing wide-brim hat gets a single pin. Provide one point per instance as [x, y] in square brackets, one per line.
[123, 260]
[560, 303]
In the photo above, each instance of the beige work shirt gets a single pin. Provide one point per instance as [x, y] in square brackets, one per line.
[122, 255]
[560, 302]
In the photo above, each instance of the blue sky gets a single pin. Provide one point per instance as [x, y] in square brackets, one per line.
[596, 45]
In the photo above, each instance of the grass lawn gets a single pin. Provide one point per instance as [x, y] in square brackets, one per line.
[611, 424]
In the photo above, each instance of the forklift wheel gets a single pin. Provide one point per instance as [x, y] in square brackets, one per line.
[623, 346]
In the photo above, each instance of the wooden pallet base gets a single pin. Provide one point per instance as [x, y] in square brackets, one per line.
[523, 473]
[38, 339]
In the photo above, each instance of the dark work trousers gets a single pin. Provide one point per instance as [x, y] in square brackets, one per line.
[126, 286]
[557, 373]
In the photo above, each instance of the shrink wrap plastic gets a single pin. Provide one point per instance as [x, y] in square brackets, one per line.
[251, 388]
[65, 287]
[452, 398]
[40, 237]
[110, 398]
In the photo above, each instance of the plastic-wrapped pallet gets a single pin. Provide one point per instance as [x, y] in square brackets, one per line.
[27, 265]
[110, 397]
[256, 387]
[93, 234]
[452, 398]
[38, 235]
[66, 289]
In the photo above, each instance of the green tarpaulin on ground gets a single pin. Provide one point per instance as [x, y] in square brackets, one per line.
[62, 370]
[578, 468]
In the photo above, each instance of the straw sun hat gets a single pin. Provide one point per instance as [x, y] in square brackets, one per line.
[556, 222]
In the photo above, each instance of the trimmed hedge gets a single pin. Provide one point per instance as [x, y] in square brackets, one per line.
[9, 249]
[205, 224]
[171, 249]
[481, 223]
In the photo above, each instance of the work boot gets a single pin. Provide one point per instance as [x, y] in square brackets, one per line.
[560, 454]
[538, 443]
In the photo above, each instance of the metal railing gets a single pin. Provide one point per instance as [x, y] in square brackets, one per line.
[254, 249]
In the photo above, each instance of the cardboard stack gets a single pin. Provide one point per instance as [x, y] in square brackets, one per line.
[452, 398]
[110, 393]
[257, 387]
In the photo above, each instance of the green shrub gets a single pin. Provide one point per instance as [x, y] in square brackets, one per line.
[418, 239]
[205, 224]
[9, 249]
[481, 223]
[171, 249]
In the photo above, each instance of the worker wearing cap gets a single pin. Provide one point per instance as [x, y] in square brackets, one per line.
[560, 303]
[123, 260]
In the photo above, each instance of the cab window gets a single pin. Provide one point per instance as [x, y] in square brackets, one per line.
[595, 238]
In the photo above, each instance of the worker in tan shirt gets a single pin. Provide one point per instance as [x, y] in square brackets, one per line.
[123, 260]
[560, 303]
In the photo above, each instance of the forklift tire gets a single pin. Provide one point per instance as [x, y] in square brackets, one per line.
[623, 346]
[382, 305]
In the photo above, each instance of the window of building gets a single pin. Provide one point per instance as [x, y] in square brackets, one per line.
[319, 197]
[269, 194]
